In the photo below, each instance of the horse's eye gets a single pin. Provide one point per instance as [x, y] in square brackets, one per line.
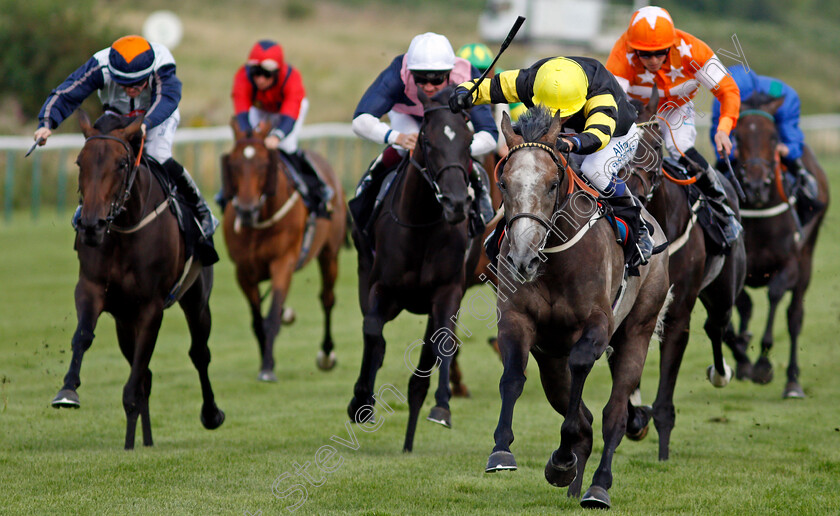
[124, 163]
[553, 186]
[502, 186]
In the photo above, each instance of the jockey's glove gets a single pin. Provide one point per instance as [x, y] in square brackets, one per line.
[460, 99]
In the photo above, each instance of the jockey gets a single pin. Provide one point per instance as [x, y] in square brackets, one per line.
[653, 53]
[266, 88]
[786, 117]
[481, 58]
[429, 65]
[591, 104]
[133, 77]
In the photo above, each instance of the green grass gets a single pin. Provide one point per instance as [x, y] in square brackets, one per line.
[738, 450]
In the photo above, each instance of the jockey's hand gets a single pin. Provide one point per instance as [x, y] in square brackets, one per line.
[460, 100]
[407, 141]
[722, 143]
[782, 149]
[42, 133]
[565, 145]
[272, 142]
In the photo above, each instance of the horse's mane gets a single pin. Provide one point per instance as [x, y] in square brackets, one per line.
[534, 123]
[756, 100]
[443, 95]
[638, 104]
[111, 121]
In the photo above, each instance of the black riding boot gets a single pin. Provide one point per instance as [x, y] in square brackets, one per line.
[364, 201]
[483, 211]
[320, 192]
[207, 223]
[710, 186]
[806, 181]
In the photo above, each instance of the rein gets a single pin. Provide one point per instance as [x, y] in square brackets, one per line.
[776, 164]
[430, 177]
[118, 205]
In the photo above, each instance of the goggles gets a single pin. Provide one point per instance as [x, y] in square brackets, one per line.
[259, 71]
[435, 78]
[652, 53]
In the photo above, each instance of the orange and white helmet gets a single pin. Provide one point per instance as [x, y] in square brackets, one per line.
[651, 28]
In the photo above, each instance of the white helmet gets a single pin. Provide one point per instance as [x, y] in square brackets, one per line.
[430, 51]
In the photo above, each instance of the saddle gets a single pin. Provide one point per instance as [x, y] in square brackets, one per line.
[203, 250]
[314, 190]
[707, 217]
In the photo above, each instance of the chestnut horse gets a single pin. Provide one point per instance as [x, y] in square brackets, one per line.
[568, 307]
[265, 224]
[779, 251]
[694, 271]
[131, 255]
[418, 262]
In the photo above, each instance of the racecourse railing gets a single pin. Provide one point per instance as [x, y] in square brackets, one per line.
[47, 177]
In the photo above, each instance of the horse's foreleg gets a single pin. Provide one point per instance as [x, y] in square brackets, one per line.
[197, 312]
[418, 384]
[576, 431]
[717, 319]
[745, 308]
[776, 288]
[516, 338]
[381, 308]
[444, 343]
[252, 293]
[281, 278]
[89, 306]
[795, 317]
[672, 349]
[328, 262]
[144, 330]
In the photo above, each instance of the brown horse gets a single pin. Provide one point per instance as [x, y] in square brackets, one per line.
[779, 251]
[694, 271]
[568, 307]
[131, 254]
[265, 224]
[418, 263]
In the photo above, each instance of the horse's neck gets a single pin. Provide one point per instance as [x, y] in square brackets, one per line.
[284, 190]
[144, 191]
[415, 201]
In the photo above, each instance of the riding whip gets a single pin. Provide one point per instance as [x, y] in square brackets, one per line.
[513, 30]
[38, 142]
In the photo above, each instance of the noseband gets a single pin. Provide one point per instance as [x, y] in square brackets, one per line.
[118, 204]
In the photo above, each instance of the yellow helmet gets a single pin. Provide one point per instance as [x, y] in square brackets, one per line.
[561, 85]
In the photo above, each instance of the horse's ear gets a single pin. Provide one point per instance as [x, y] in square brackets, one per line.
[84, 123]
[238, 133]
[424, 99]
[270, 187]
[133, 132]
[654, 99]
[774, 105]
[262, 130]
[511, 138]
[555, 128]
[227, 179]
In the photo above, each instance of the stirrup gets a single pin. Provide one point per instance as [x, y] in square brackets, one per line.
[644, 243]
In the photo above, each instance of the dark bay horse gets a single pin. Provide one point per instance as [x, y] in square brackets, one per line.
[131, 255]
[695, 272]
[265, 224]
[569, 307]
[418, 262]
[779, 251]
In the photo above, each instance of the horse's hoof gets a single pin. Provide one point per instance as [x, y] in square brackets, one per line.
[357, 415]
[288, 316]
[560, 475]
[743, 371]
[716, 379]
[215, 421]
[460, 391]
[762, 371]
[66, 398]
[500, 461]
[325, 362]
[793, 390]
[440, 416]
[267, 376]
[637, 428]
[595, 497]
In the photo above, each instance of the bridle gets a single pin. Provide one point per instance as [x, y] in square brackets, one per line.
[263, 197]
[122, 197]
[650, 186]
[426, 173]
[774, 165]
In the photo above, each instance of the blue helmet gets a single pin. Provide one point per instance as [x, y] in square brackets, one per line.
[131, 60]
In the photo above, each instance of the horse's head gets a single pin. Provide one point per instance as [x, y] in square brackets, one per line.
[642, 174]
[443, 152]
[107, 167]
[758, 158]
[531, 184]
[249, 173]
